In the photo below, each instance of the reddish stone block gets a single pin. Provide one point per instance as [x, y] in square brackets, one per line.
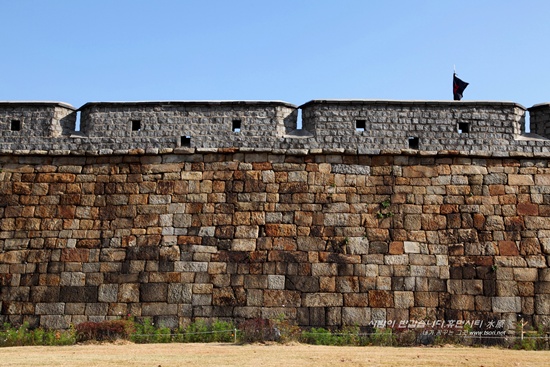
[529, 246]
[495, 190]
[448, 208]
[75, 255]
[280, 230]
[508, 248]
[380, 299]
[527, 209]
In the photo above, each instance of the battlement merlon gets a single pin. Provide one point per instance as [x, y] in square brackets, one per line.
[36, 119]
[364, 126]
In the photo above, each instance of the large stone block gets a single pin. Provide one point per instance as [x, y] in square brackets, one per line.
[85, 294]
[280, 298]
[153, 292]
[380, 299]
[356, 316]
[506, 304]
[322, 300]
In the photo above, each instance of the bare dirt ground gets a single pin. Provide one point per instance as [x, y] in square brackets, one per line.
[191, 355]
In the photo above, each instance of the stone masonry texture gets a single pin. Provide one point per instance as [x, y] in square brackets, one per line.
[325, 232]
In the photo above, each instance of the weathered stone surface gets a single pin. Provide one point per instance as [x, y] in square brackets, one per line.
[322, 300]
[506, 304]
[247, 234]
[153, 292]
[359, 316]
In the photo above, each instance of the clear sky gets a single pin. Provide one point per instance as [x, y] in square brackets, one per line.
[78, 51]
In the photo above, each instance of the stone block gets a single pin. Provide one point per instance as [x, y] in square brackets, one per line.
[358, 246]
[506, 288]
[324, 269]
[396, 259]
[256, 281]
[506, 304]
[276, 281]
[303, 283]
[403, 299]
[158, 309]
[322, 300]
[201, 300]
[241, 244]
[55, 322]
[462, 302]
[153, 292]
[380, 299]
[86, 294]
[525, 274]
[280, 298]
[108, 293]
[356, 316]
[247, 312]
[347, 284]
[54, 308]
[356, 300]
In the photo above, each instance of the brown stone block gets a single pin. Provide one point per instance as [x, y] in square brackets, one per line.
[322, 300]
[529, 246]
[456, 250]
[514, 223]
[527, 209]
[356, 300]
[307, 284]
[380, 299]
[41, 211]
[396, 248]
[509, 199]
[284, 243]
[55, 177]
[281, 298]
[507, 248]
[483, 303]
[331, 257]
[75, 254]
[88, 294]
[327, 284]
[496, 190]
[22, 188]
[347, 284]
[378, 234]
[280, 230]
[462, 302]
[526, 289]
[426, 299]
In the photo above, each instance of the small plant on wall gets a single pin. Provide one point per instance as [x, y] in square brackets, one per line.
[385, 211]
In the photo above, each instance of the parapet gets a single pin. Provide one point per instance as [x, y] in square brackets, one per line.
[360, 126]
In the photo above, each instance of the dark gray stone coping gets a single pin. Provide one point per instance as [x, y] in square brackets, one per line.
[188, 103]
[4, 104]
[540, 106]
[409, 103]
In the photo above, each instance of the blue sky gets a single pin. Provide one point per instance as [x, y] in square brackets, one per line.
[78, 51]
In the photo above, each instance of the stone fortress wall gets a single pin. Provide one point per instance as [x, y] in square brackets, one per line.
[372, 211]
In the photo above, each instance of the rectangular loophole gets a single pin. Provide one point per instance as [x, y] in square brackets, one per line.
[463, 128]
[185, 141]
[360, 125]
[236, 126]
[15, 125]
[136, 125]
[413, 142]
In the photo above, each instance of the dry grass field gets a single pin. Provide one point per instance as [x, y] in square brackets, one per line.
[191, 355]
